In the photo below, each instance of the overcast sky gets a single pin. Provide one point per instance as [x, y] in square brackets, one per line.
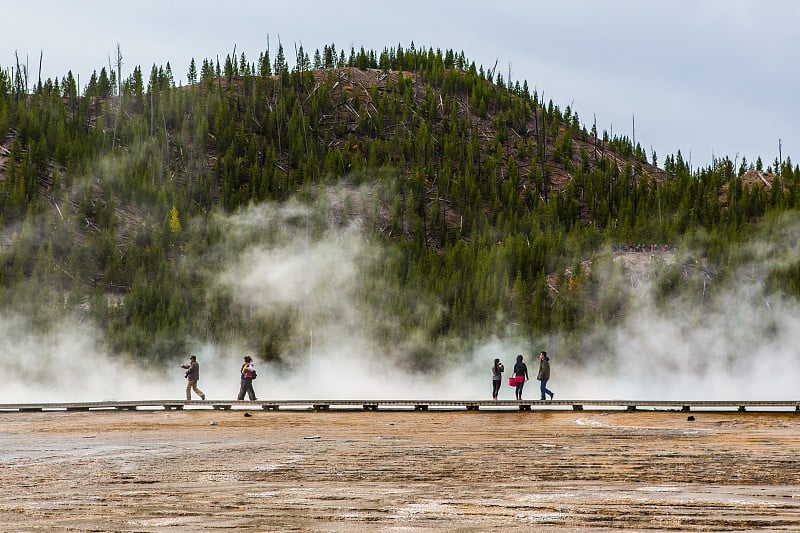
[705, 77]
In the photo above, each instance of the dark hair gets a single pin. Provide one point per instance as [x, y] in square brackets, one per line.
[247, 358]
[543, 353]
[193, 357]
[519, 357]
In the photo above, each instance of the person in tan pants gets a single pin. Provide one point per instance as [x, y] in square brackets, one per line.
[192, 377]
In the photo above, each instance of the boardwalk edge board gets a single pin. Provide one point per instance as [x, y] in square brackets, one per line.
[415, 405]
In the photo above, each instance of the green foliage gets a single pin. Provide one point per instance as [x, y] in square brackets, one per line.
[492, 206]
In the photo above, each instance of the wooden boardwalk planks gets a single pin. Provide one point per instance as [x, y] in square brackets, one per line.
[417, 405]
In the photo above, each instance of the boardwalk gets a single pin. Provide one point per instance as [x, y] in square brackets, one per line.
[417, 405]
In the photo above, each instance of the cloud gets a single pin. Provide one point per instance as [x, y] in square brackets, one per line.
[67, 364]
[715, 339]
[738, 344]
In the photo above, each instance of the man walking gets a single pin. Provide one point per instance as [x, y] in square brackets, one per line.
[544, 374]
[192, 377]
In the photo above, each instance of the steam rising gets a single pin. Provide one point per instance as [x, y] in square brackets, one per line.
[738, 345]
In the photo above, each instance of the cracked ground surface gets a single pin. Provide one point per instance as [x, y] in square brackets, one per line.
[398, 471]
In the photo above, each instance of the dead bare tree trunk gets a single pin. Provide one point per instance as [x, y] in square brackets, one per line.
[545, 179]
[41, 56]
[119, 95]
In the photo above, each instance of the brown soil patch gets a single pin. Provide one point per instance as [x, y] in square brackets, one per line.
[347, 471]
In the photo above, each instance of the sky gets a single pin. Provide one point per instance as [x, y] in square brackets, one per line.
[711, 78]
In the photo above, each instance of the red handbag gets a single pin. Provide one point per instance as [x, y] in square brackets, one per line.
[512, 381]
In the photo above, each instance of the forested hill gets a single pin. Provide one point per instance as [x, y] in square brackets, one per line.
[493, 207]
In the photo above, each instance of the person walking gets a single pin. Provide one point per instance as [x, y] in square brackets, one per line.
[520, 376]
[497, 377]
[248, 372]
[544, 375]
[192, 377]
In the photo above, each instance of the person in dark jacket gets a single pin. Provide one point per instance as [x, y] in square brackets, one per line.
[248, 372]
[544, 374]
[192, 377]
[497, 377]
[521, 375]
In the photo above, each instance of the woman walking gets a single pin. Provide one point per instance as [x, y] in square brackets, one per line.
[248, 372]
[520, 375]
[497, 377]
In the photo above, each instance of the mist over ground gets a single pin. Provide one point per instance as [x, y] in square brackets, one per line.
[739, 344]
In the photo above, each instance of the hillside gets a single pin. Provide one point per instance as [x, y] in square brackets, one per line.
[484, 206]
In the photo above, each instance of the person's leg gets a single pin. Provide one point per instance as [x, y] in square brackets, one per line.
[495, 388]
[543, 388]
[242, 389]
[198, 391]
[188, 390]
[250, 392]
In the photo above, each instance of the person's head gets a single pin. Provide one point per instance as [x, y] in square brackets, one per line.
[519, 358]
[496, 362]
[542, 354]
[248, 359]
[192, 358]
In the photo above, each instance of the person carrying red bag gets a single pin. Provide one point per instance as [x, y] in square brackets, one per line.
[520, 376]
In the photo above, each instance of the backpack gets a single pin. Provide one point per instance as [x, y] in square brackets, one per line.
[252, 372]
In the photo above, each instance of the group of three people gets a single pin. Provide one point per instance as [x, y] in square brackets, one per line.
[521, 376]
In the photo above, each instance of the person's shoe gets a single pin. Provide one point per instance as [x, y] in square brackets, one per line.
[551, 395]
[202, 396]
[542, 399]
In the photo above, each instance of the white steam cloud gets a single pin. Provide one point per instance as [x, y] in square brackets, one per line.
[738, 345]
